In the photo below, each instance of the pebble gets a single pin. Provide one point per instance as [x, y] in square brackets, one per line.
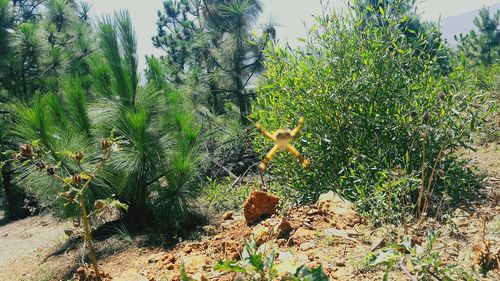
[307, 246]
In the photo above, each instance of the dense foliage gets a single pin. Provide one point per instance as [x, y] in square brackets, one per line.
[155, 133]
[387, 106]
[211, 49]
[382, 119]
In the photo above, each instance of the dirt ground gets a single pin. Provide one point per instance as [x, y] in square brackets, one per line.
[333, 236]
[24, 244]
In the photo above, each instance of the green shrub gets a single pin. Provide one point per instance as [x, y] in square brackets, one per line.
[378, 115]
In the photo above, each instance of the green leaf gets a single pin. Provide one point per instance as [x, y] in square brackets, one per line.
[230, 266]
[311, 274]
[184, 276]
[381, 10]
[385, 257]
[84, 176]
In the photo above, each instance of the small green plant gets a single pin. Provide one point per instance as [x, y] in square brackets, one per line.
[76, 179]
[254, 266]
[417, 262]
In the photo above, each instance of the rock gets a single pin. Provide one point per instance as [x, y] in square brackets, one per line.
[194, 262]
[285, 256]
[332, 202]
[307, 246]
[226, 225]
[333, 232]
[168, 258]
[258, 205]
[260, 234]
[283, 228]
[170, 266]
[210, 229]
[86, 272]
[228, 215]
[302, 235]
[378, 243]
[312, 212]
[340, 263]
[155, 258]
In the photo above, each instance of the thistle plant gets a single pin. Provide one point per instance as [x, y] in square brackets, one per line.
[75, 183]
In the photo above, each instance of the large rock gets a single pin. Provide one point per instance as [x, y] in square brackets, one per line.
[333, 203]
[259, 205]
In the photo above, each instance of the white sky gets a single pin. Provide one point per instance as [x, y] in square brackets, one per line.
[291, 15]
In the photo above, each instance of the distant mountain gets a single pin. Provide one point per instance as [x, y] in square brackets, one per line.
[462, 23]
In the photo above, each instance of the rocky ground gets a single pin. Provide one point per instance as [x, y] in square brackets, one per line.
[328, 233]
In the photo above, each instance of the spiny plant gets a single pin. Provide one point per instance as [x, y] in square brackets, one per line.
[482, 45]
[74, 183]
[42, 40]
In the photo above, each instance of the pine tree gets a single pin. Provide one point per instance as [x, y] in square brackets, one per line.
[45, 39]
[210, 47]
[155, 133]
[483, 45]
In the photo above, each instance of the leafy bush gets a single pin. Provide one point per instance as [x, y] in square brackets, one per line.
[382, 121]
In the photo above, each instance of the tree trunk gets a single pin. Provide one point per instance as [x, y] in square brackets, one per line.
[16, 207]
[214, 100]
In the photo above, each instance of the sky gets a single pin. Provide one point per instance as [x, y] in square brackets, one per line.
[291, 16]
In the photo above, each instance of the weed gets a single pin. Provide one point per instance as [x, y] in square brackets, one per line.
[257, 267]
[416, 261]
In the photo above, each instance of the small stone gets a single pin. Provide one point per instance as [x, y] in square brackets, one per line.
[261, 234]
[312, 212]
[226, 225]
[155, 258]
[285, 256]
[188, 249]
[463, 224]
[168, 258]
[302, 235]
[283, 228]
[228, 215]
[340, 263]
[333, 232]
[307, 246]
[210, 229]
